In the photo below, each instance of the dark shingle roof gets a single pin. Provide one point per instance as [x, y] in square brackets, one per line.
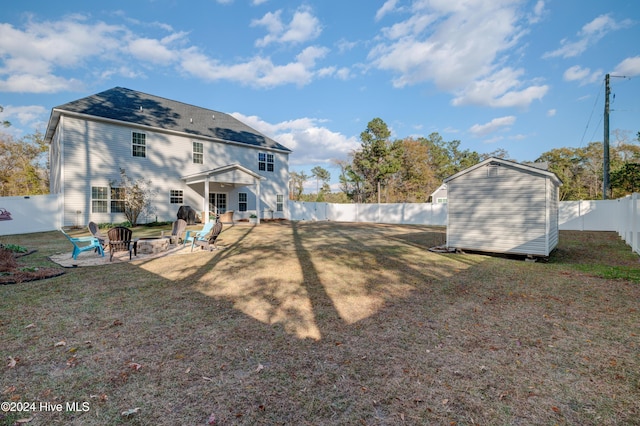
[148, 110]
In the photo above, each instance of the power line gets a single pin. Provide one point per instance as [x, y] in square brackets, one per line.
[591, 116]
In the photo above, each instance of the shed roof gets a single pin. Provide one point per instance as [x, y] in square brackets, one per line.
[500, 161]
[142, 109]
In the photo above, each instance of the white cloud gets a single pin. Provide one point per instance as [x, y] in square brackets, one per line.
[257, 71]
[582, 75]
[502, 89]
[311, 142]
[630, 67]
[49, 57]
[386, 8]
[590, 34]
[551, 113]
[460, 46]
[304, 26]
[480, 130]
[22, 117]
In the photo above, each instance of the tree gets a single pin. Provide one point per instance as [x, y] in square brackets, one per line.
[297, 180]
[321, 175]
[377, 158]
[5, 123]
[626, 179]
[22, 171]
[136, 196]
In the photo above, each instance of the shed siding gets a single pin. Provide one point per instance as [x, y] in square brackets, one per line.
[94, 152]
[505, 213]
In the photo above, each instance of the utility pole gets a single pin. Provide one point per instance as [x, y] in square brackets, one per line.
[605, 162]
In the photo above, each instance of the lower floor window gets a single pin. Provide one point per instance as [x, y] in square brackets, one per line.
[217, 203]
[99, 201]
[279, 203]
[117, 200]
[242, 201]
[176, 196]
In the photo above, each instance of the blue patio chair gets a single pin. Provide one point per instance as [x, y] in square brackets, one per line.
[194, 235]
[209, 240]
[93, 244]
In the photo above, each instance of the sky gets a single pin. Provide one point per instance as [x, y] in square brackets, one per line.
[524, 76]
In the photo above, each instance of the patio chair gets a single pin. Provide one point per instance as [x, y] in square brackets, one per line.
[93, 244]
[95, 231]
[209, 239]
[120, 240]
[192, 235]
[177, 231]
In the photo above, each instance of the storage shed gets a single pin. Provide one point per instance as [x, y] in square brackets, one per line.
[501, 206]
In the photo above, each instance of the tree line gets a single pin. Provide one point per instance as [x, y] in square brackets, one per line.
[408, 170]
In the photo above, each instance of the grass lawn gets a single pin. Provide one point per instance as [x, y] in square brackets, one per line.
[326, 324]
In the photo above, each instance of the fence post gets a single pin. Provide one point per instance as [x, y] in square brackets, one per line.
[634, 223]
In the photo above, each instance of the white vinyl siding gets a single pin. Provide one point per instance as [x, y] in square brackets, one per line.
[502, 209]
[94, 152]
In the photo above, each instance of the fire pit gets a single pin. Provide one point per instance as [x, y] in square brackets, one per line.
[152, 245]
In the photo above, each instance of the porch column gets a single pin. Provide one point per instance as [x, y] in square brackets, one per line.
[205, 204]
[258, 202]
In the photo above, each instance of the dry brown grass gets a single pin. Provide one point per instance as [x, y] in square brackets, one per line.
[330, 323]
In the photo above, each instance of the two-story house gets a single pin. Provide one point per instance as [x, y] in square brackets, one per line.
[192, 156]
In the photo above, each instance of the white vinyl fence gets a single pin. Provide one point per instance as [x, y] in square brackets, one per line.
[25, 215]
[629, 220]
[39, 213]
[621, 216]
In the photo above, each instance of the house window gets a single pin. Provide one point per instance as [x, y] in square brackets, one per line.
[99, 201]
[265, 162]
[441, 200]
[198, 153]
[117, 200]
[492, 170]
[139, 141]
[217, 202]
[279, 203]
[176, 196]
[242, 201]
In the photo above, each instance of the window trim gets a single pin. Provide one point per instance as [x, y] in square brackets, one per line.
[197, 155]
[279, 202]
[243, 203]
[176, 196]
[139, 143]
[104, 200]
[116, 205]
[266, 162]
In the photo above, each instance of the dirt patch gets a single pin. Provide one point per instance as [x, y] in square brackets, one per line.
[11, 272]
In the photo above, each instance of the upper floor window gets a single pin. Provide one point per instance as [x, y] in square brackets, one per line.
[265, 162]
[139, 142]
[198, 153]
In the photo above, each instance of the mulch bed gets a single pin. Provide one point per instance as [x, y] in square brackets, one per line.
[12, 273]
